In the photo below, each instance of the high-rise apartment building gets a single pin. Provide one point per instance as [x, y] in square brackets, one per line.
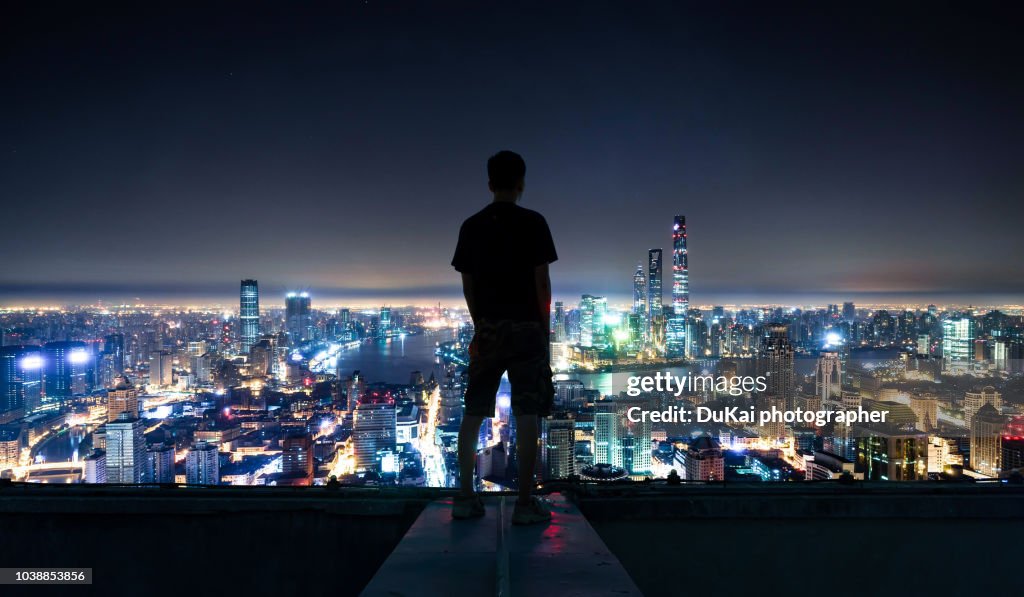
[202, 465]
[558, 446]
[373, 428]
[123, 398]
[126, 450]
[607, 424]
[95, 467]
[159, 466]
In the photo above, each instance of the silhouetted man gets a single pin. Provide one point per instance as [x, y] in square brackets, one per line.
[503, 255]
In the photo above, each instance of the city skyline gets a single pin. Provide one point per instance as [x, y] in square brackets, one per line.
[164, 166]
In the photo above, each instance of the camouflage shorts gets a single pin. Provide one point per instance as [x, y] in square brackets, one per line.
[519, 347]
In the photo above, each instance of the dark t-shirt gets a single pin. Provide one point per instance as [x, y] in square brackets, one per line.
[500, 246]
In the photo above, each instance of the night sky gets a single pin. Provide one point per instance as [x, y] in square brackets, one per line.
[857, 156]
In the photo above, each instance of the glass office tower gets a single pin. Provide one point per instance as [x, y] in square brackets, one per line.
[249, 314]
[675, 335]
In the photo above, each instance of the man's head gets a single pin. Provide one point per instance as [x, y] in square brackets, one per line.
[506, 172]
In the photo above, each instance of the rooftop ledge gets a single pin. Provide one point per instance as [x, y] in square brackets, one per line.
[281, 532]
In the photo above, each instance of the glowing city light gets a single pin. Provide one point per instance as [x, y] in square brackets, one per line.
[612, 319]
[78, 356]
[32, 361]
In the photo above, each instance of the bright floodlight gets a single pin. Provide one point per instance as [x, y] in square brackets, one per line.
[832, 338]
[32, 361]
[78, 356]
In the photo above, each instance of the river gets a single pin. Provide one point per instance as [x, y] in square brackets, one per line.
[393, 362]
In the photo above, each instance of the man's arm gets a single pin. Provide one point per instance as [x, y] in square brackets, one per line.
[468, 292]
[542, 281]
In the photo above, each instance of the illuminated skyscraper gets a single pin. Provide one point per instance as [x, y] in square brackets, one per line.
[958, 339]
[559, 331]
[986, 437]
[65, 371]
[20, 381]
[558, 433]
[161, 369]
[113, 345]
[640, 291]
[123, 398]
[654, 274]
[202, 465]
[588, 320]
[607, 423]
[249, 314]
[384, 330]
[95, 467]
[636, 436]
[126, 450]
[159, 466]
[298, 317]
[373, 428]
[676, 345]
[828, 378]
[600, 335]
[775, 362]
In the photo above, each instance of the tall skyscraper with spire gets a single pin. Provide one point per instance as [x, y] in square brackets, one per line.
[675, 336]
[249, 314]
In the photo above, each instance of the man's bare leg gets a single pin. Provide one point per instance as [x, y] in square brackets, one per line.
[526, 451]
[469, 434]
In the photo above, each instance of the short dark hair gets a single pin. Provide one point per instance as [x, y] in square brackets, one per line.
[505, 169]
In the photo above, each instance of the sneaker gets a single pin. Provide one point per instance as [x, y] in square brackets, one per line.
[467, 507]
[534, 512]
